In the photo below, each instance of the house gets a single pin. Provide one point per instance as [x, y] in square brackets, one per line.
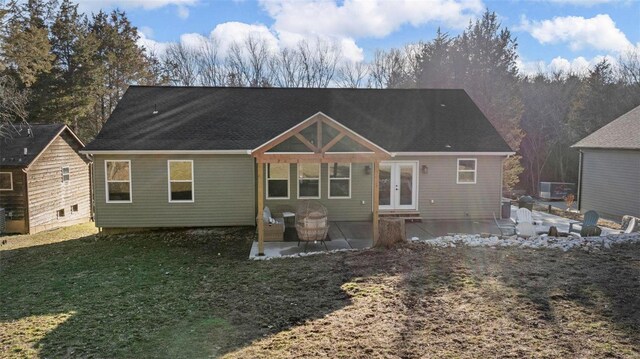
[609, 175]
[44, 180]
[198, 156]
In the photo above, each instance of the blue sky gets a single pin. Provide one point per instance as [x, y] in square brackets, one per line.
[552, 34]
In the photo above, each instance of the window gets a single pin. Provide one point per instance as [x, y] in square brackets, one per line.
[180, 180]
[60, 213]
[74, 208]
[308, 180]
[65, 174]
[6, 181]
[118, 181]
[278, 181]
[339, 180]
[466, 170]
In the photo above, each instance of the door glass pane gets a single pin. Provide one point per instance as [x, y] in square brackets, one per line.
[385, 185]
[406, 185]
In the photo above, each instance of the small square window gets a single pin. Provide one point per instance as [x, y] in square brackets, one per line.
[277, 180]
[60, 213]
[74, 208]
[65, 174]
[6, 181]
[467, 168]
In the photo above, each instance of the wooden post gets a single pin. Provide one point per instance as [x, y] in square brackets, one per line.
[260, 208]
[376, 200]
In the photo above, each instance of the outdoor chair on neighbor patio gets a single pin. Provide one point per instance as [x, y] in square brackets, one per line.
[630, 226]
[312, 223]
[273, 227]
[590, 220]
[523, 215]
[507, 229]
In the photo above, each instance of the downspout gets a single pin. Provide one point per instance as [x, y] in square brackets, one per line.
[580, 180]
[91, 187]
[26, 200]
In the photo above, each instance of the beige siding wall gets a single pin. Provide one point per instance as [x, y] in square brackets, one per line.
[14, 202]
[611, 182]
[451, 200]
[48, 193]
[458, 201]
[357, 208]
[223, 191]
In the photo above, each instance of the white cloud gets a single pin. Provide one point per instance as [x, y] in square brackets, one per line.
[578, 65]
[363, 18]
[585, 2]
[132, 4]
[151, 45]
[183, 12]
[599, 32]
[146, 31]
[230, 32]
[95, 5]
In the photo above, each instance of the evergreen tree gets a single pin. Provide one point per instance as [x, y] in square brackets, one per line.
[119, 62]
[25, 45]
[66, 94]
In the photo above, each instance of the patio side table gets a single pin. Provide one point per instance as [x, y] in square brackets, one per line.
[289, 219]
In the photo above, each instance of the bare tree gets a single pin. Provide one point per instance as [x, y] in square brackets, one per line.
[352, 74]
[181, 63]
[248, 62]
[388, 69]
[13, 106]
[318, 62]
[211, 69]
[287, 68]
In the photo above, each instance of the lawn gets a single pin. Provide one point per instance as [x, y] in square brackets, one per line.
[193, 294]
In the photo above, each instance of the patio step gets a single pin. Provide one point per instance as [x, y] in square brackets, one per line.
[407, 216]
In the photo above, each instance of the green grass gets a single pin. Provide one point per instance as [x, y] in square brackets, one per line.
[193, 294]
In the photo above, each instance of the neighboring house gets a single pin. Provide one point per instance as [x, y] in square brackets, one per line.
[197, 156]
[44, 180]
[609, 179]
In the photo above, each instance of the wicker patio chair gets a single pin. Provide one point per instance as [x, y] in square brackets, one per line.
[312, 223]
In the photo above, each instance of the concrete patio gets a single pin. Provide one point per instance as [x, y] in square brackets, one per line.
[357, 235]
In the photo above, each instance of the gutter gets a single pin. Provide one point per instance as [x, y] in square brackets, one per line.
[166, 152]
[508, 154]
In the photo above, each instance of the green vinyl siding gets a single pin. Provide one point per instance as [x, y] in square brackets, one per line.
[457, 201]
[223, 193]
[611, 182]
[356, 208]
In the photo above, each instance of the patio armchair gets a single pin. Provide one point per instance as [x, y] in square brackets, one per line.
[312, 222]
[523, 215]
[273, 227]
[507, 229]
[590, 220]
[630, 226]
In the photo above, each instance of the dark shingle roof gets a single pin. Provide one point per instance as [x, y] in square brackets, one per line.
[214, 118]
[621, 133]
[12, 149]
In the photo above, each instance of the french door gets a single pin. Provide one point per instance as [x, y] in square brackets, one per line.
[398, 185]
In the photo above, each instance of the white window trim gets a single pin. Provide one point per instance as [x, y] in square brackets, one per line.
[329, 179]
[10, 182]
[474, 171]
[106, 182]
[266, 170]
[169, 180]
[68, 174]
[298, 178]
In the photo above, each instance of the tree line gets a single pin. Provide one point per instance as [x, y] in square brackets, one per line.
[62, 66]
